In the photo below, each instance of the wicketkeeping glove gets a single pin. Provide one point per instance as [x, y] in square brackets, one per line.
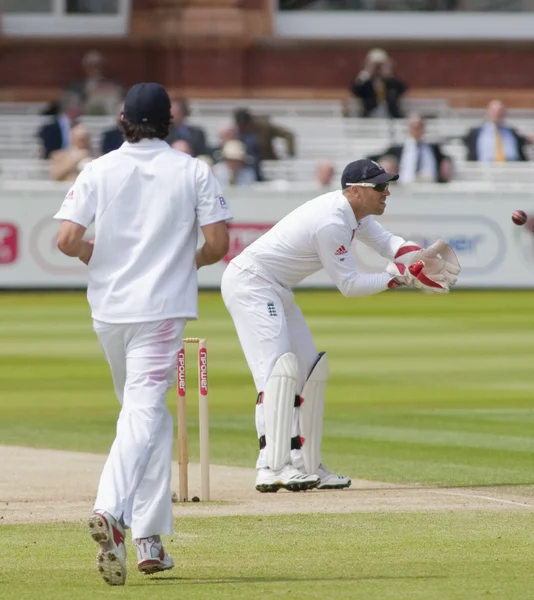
[448, 262]
[431, 277]
[408, 254]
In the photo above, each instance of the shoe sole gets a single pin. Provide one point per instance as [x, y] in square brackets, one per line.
[295, 486]
[108, 563]
[334, 486]
[150, 567]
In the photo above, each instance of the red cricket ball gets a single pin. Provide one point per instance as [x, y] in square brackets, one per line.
[519, 217]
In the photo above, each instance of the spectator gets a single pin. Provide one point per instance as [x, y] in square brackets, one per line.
[207, 159]
[112, 139]
[65, 165]
[258, 135]
[325, 173]
[56, 135]
[182, 146]
[389, 163]
[494, 141]
[419, 160]
[180, 130]
[100, 94]
[225, 133]
[234, 169]
[379, 90]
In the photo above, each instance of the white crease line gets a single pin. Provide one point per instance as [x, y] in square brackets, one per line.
[502, 501]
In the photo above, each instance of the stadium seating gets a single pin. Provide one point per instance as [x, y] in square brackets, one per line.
[321, 133]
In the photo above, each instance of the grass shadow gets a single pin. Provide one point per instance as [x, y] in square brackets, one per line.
[241, 580]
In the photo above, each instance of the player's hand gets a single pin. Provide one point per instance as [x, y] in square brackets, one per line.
[432, 278]
[86, 251]
[446, 258]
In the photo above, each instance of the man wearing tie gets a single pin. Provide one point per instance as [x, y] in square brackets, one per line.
[494, 141]
[417, 159]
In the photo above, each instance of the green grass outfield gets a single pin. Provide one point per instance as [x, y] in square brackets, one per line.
[423, 389]
[435, 390]
[424, 556]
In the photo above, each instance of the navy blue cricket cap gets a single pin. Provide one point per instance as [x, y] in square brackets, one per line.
[147, 103]
[365, 171]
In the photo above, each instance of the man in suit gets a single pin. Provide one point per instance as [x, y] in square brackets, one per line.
[56, 135]
[418, 160]
[377, 87]
[181, 130]
[258, 134]
[494, 141]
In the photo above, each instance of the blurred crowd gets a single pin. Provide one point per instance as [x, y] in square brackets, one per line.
[247, 139]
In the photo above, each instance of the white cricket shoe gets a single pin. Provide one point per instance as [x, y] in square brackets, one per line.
[111, 558]
[331, 481]
[151, 556]
[287, 478]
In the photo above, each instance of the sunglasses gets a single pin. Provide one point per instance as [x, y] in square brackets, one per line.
[379, 187]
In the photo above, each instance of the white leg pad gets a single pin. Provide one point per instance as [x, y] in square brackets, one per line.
[278, 403]
[311, 414]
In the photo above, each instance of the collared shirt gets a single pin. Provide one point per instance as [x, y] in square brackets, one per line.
[486, 143]
[65, 126]
[146, 201]
[417, 162]
[319, 235]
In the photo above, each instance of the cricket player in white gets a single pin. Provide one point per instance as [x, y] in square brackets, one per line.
[146, 201]
[290, 375]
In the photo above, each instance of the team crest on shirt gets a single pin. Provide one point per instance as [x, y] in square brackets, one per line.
[222, 201]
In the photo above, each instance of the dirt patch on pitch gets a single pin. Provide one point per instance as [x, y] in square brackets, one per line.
[42, 486]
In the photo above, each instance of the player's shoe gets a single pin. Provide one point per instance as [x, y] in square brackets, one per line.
[331, 481]
[111, 558]
[287, 478]
[151, 556]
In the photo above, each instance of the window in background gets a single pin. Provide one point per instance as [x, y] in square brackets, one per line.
[28, 6]
[102, 7]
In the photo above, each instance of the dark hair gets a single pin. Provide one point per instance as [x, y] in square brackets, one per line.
[135, 132]
[242, 117]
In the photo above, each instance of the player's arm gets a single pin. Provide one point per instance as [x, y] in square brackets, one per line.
[431, 276]
[388, 245]
[216, 242]
[76, 214]
[212, 215]
[333, 246]
[70, 241]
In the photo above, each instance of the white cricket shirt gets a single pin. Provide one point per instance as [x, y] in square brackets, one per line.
[318, 235]
[146, 201]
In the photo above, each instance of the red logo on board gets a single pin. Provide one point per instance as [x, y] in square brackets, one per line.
[9, 247]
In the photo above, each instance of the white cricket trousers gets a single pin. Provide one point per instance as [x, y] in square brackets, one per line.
[135, 484]
[268, 324]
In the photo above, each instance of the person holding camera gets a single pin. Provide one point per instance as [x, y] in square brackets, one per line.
[378, 89]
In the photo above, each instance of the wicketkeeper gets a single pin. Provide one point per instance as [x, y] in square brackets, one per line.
[289, 373]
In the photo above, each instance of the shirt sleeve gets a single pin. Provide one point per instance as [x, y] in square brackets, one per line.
[211, 205]
[79, 205]
[372, 234]
[333, 247]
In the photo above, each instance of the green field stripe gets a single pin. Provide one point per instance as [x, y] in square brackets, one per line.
[435, 437]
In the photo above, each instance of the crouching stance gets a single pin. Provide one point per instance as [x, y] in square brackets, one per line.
[289, 373]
